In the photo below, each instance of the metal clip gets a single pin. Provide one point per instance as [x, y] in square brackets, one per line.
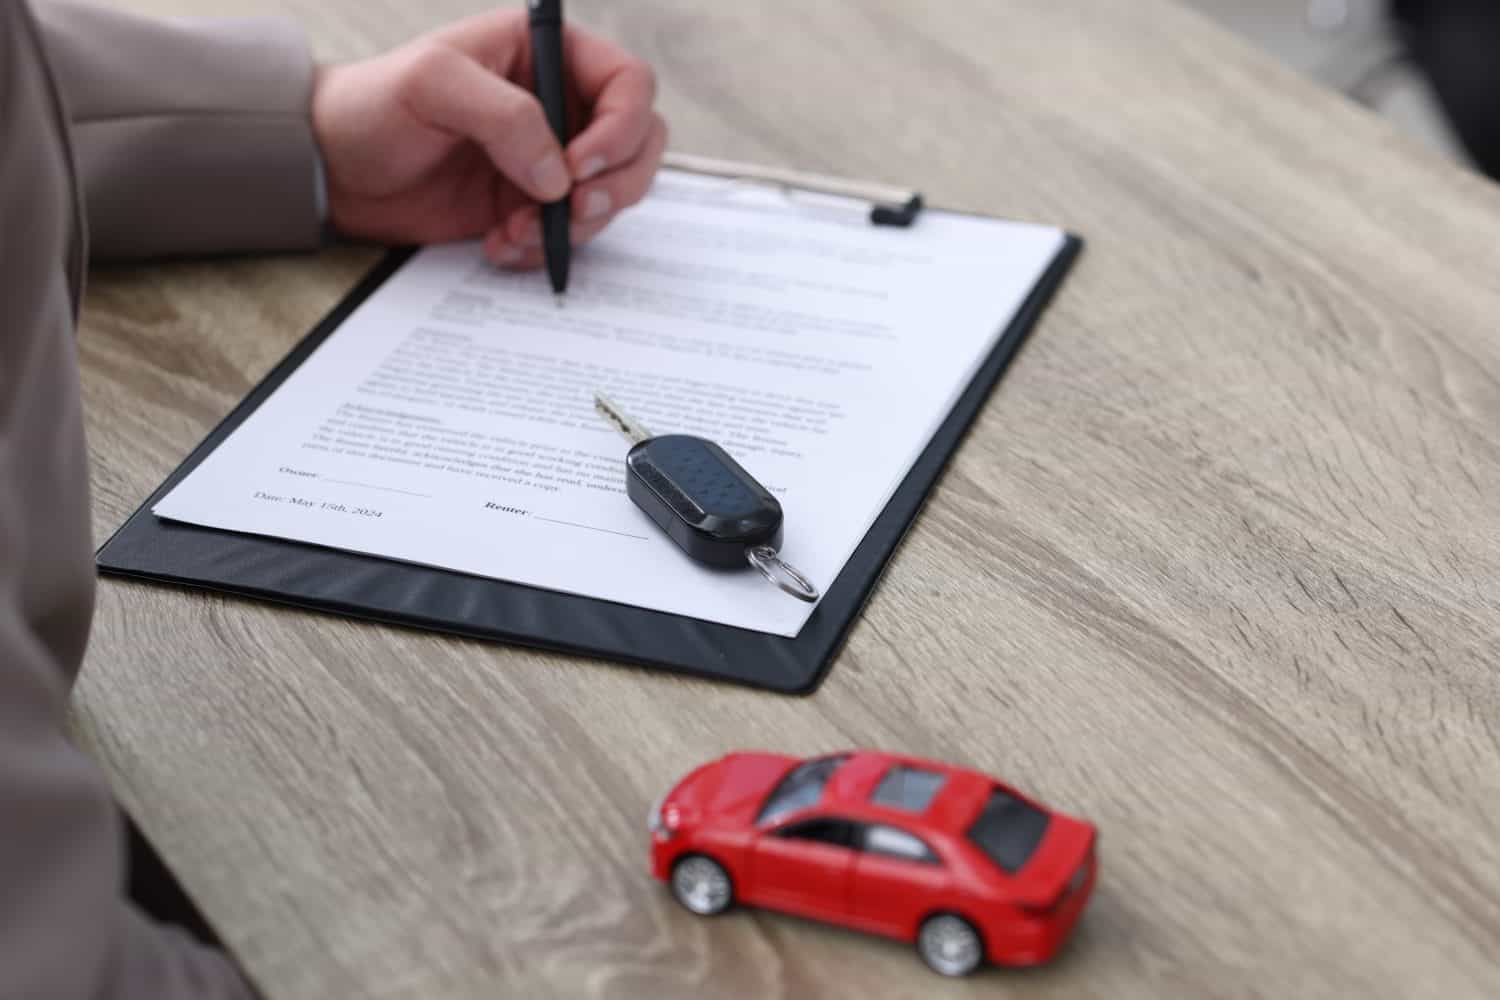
[781, 573]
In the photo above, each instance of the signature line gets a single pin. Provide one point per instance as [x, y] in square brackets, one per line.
[372, 486]
[575, 524]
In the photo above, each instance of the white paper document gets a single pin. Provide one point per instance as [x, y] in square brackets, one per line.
[449, 421]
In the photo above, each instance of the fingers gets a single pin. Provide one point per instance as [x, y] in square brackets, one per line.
[594, 203]
[456, 82]
[616, 88]
[451, 91]
[527, 254]
[622, 187]
[619, 90]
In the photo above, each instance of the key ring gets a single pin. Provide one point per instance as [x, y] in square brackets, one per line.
[779, 572]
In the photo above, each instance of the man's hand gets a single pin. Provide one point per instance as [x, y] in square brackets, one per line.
[442, 139]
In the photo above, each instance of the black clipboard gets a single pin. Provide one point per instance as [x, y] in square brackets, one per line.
[370, 587]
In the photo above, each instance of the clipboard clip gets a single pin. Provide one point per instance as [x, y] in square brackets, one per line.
[889, 205]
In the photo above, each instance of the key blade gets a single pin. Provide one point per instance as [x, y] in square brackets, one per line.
[611, 411]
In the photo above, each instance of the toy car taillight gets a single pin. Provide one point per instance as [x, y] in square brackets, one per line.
[1076, 882]
[1039, 909]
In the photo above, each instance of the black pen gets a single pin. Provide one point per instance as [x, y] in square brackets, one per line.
[547, 64]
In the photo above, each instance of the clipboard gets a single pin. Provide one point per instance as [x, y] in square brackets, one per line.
[369, 587]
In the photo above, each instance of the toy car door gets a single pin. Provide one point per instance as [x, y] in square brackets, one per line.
[804, 867]
[898, 879]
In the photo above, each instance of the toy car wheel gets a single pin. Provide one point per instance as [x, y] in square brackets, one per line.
[950, 945]
[702, 885]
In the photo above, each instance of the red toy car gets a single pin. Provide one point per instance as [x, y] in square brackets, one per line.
[962, 865]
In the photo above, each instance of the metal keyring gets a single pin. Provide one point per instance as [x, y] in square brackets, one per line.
[779, 572]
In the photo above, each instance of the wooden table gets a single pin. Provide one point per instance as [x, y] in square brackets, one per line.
[1219, 566]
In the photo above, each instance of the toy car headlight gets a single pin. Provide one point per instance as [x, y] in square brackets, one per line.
[653, 819]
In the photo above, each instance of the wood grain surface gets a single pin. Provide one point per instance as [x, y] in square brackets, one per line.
[1219, 567]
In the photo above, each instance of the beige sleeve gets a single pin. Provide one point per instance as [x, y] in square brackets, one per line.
[66, 929]
[189, 137]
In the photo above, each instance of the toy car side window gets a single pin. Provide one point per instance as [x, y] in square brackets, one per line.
[822, 830]
[894, 843]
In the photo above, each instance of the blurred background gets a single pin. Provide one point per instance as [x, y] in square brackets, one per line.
[1430, 66]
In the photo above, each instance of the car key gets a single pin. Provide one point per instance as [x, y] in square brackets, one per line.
[712, 508]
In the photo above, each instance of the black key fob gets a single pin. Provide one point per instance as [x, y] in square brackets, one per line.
[711, 507]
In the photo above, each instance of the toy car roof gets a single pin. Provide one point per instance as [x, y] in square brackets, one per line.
[864, 782]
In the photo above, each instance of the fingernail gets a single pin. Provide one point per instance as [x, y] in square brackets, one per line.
[508, 254]
[531, 233]
[550, 176]
[596, 204]
[590, 167]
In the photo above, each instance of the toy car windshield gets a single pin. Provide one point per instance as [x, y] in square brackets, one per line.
[802, 787]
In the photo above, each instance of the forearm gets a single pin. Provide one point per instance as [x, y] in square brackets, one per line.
[189, 137]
